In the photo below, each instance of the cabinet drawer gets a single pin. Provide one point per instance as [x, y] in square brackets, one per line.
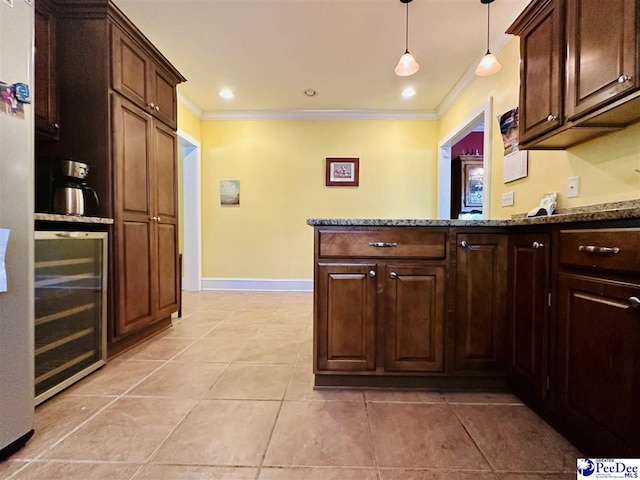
[609, 249]
[393, 243]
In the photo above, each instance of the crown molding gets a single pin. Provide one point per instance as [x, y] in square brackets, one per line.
[320, 115]
[189, 105]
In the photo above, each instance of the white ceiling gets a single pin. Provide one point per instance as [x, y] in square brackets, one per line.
[269, 51]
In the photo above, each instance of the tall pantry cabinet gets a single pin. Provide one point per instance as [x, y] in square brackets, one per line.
[118, 112]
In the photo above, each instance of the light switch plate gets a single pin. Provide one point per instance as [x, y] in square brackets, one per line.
[573, 187]
[507, 199]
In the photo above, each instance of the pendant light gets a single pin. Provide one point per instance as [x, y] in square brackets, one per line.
[489, 63]
[407, 64]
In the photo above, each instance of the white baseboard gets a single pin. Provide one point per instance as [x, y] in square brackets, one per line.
[258, 284]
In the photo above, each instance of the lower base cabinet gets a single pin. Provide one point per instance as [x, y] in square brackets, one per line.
[599, 362]
[414, 318]
[528, 330]
[345, 304]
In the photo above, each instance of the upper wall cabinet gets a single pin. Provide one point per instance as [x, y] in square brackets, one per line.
[138, 77]
[579, 70]
[46, 90]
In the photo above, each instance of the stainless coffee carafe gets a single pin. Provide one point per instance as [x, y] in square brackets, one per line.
[71, 191]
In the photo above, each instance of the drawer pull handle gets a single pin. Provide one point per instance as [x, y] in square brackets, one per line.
[594, 249]
[538, 245]
[394, 275]
[72, 234]
[383, 244]
[464, 244]
[372, 273]
[634, 302]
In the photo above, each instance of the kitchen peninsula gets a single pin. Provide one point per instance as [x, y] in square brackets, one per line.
[547, 306]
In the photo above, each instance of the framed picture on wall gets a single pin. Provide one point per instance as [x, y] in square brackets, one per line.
[342, 172]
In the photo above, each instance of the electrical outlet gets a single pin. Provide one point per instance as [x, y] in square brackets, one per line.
[507, 199]
[573, 187]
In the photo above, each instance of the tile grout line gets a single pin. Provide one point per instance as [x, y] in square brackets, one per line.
[371, 442]
[275, 422]
[493, 468]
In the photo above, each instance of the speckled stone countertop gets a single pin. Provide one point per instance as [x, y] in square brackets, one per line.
[52, 217]
[605, 211]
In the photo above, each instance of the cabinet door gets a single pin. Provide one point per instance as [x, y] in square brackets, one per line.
[414, 314]
[345, 302]
[602, 40]
[599, 359]
[529, 314]
[540, 109]
[130, 67]
[163, 97]
[46, 95]
[481, 292]
[134, 229]
[164, 196]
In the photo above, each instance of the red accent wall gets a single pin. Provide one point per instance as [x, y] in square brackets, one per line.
[468, 144]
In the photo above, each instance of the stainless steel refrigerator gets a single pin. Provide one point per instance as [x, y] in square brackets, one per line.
[16, 224]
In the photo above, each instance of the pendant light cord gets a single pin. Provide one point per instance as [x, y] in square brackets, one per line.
[406, 32]
[488, 16]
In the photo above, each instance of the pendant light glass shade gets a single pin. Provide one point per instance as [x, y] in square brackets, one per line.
[489, 63]
[407, 65]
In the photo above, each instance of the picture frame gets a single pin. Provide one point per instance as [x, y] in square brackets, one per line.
[473, 188]
[342, 172]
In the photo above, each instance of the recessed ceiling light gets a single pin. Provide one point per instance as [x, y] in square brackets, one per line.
[226, 93]
[310, 92]
[408, 92]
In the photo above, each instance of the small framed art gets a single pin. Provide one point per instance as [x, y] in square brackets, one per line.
[343, 172]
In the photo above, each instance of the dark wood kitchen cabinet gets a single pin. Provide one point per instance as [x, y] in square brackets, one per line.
[579, 70]
[480, 307]
[346, 316]
[103, 62]
[528, 329]
[45, 82]
[379, 301]
[146, 206]
[414, 318]
[598, 340]
[540, 109]
[140, 78]
[602, 47]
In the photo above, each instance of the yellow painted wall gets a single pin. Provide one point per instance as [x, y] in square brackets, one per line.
[281, 168]
[606, 166]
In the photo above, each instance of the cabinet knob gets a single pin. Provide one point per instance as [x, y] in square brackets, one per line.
[155, 219]
[393, 275]
[372, 273]
[552, 117]
[152, 106]
[158, 219]
[157, 108]
[623, 78]
[55, 125]
[538, 245]
[634, 302]
[464, 244]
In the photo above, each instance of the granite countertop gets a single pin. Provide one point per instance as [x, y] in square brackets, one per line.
[605, 211]
[53, 217]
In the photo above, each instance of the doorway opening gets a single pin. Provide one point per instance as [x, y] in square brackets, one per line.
[475, 187]
[189, 199]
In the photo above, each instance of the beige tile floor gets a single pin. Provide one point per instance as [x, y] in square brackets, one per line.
[227, 393]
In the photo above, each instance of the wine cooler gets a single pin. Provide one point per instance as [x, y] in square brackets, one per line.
[70, 308]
